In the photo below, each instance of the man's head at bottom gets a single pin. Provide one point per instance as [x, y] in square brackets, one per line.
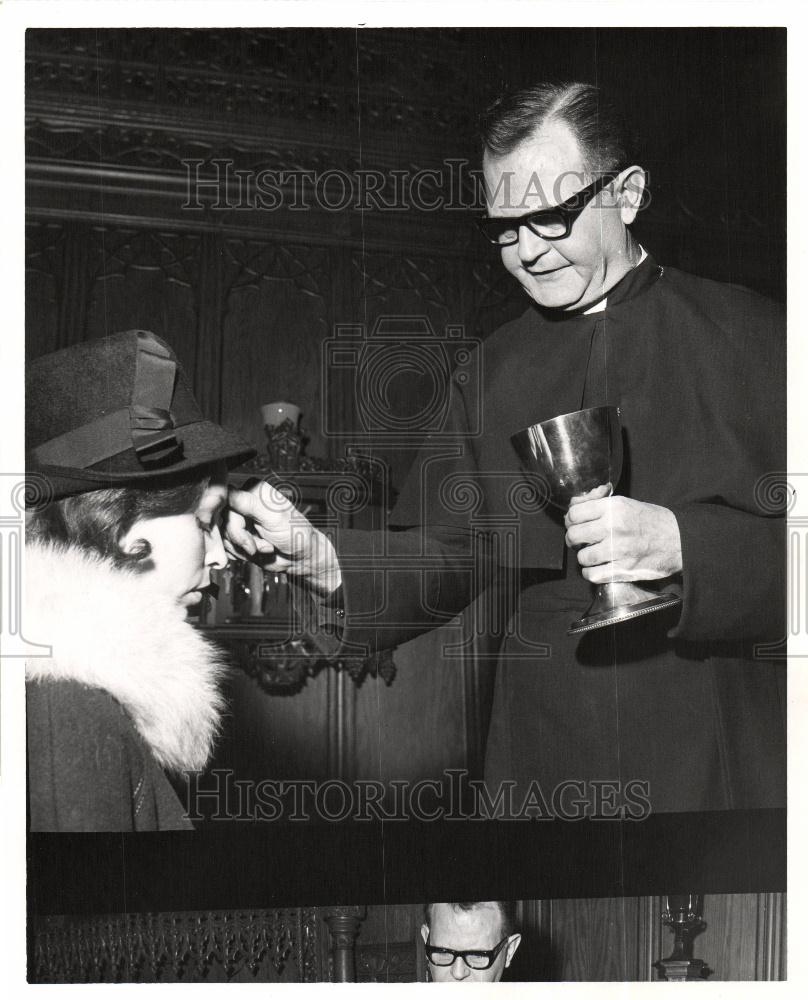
[469, 942]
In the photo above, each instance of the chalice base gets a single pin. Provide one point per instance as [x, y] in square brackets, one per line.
[619, 602]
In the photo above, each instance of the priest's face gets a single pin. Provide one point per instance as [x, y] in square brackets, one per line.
[544, 170]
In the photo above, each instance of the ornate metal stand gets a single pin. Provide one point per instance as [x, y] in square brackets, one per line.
[255, 613]
[683, 915]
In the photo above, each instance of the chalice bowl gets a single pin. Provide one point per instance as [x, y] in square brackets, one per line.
[576, 453]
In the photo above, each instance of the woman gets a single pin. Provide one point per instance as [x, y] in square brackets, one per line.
[130, 483]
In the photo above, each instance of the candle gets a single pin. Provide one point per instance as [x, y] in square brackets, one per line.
[256, 576]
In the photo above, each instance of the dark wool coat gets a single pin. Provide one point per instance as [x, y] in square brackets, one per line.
[690, 703]
[89, 770]
[129, 692]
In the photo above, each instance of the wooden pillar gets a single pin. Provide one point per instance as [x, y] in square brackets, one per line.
[343, 923]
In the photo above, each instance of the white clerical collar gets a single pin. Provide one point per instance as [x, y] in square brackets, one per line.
[600, 306]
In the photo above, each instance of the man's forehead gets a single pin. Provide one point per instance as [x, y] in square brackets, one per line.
[539, 172]
[553, 143]
[472, 925]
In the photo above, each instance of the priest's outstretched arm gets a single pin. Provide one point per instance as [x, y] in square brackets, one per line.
[380, 588]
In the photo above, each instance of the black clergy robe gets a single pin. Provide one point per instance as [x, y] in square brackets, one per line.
[690, 703]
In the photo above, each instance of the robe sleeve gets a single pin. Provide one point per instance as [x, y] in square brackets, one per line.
[734, 535]
[733, 575]
[400, 584]
[435, 556]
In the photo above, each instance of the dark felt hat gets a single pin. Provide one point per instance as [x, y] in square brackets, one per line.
[117, 411]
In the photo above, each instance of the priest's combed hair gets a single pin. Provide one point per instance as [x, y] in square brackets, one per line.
[606, 139]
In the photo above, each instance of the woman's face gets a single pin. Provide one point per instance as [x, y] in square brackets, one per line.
[184, 547]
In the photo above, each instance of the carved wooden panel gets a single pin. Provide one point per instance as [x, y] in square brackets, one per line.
[389, 945]
[495, 297]
[306, 75]
[277, 317]
[393, 962]
[406, 307]
[391, 284]
[204, 946]
[144, 279]
[43, 286]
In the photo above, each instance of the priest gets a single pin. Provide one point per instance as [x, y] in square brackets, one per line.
[686, 704]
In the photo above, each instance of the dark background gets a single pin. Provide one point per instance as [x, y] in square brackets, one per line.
[254, 865]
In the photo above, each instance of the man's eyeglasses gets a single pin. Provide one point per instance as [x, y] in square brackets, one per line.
[550, 223]
[475, 959]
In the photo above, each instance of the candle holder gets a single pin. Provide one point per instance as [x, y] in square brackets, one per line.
[683, 914]
[284, 438]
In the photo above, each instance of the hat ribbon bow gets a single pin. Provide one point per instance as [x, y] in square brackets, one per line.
[150, 419]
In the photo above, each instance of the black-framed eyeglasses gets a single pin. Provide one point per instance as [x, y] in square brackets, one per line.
[550, 223]
[474, 959]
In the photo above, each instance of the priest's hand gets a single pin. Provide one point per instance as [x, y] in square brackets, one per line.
[262, 525]
[619, 539]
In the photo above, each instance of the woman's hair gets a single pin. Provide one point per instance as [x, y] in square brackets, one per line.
[98, 521]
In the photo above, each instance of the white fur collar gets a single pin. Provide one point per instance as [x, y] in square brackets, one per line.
[108, 630]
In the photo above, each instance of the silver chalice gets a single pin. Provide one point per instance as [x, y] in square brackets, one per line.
[577, 452]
